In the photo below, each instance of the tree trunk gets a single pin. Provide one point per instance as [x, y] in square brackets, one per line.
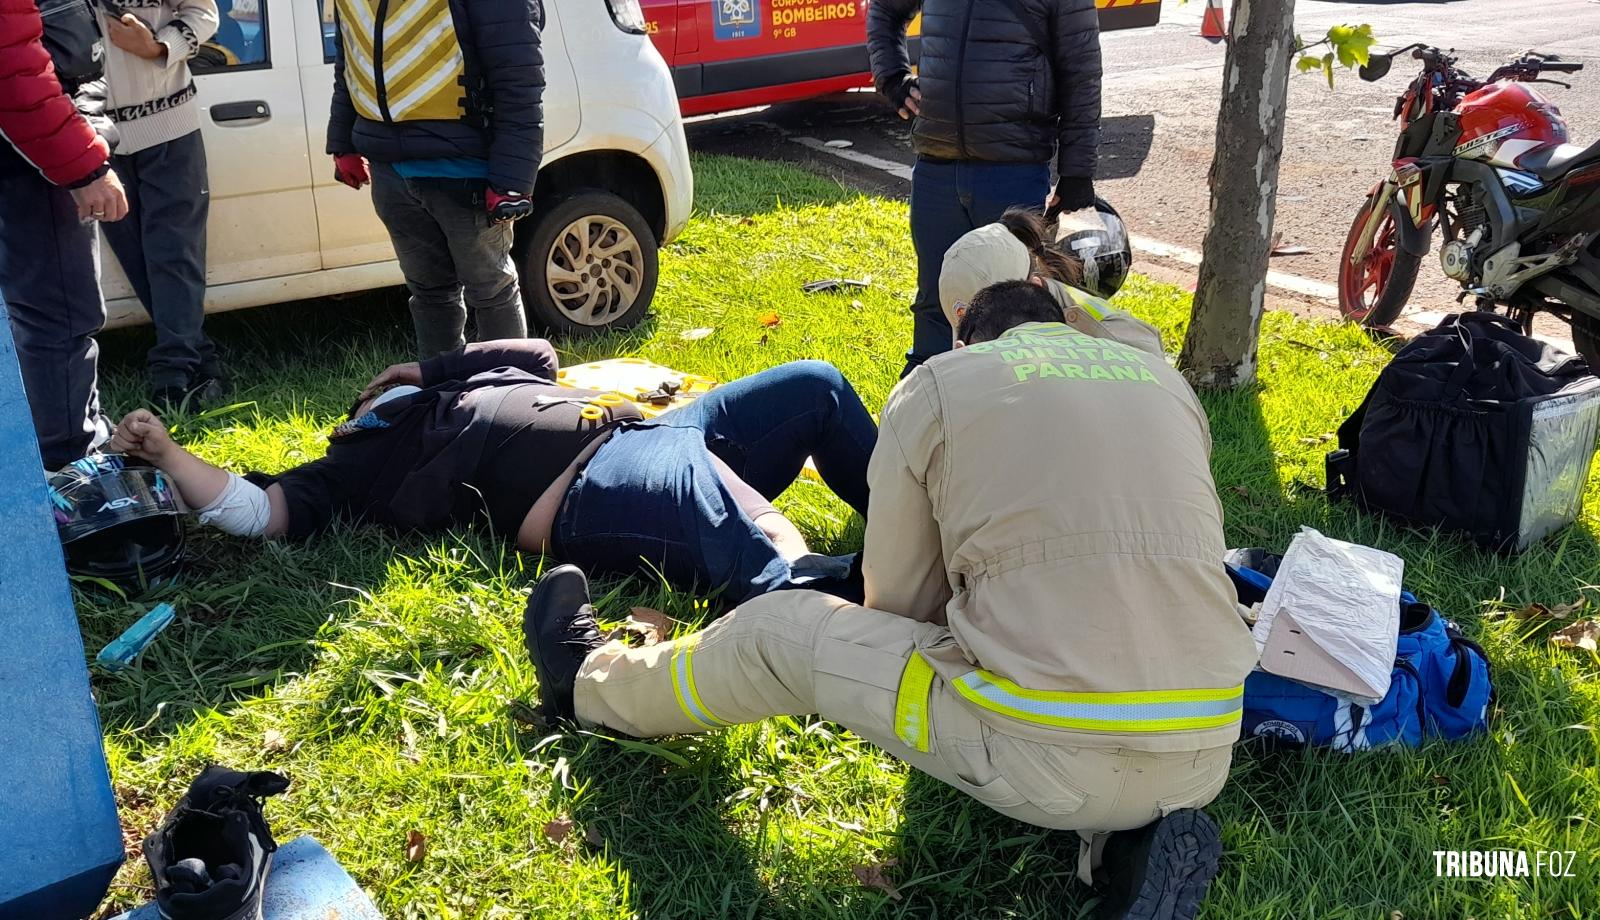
[1220, 348]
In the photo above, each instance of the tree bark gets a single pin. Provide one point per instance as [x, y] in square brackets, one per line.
[1220, 348]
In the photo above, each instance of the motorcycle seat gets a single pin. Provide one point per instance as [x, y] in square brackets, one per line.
[1553, 162]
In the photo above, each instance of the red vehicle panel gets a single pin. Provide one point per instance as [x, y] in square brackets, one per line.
[731, 54]
[1506, 120]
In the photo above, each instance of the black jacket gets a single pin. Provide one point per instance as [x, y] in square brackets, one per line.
[501, 113]
[1005, 81]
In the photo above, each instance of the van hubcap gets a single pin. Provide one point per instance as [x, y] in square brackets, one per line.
[594, 270]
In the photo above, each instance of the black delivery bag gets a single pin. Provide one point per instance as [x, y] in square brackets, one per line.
[1473, 427]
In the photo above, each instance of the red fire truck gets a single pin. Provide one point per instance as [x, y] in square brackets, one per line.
[731, 54]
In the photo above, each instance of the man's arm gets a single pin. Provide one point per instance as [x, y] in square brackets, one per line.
[1076, 26]
[36, 117]
[342, 113]
[903, 563]
[141, 434]
[506, 35]
[536, 356]
[886, 43]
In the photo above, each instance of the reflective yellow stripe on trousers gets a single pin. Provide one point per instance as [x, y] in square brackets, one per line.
[688, 694]
[1119, 712]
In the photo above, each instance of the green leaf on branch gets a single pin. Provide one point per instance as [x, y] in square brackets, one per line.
[1327, 67]
[1353, 44]
[1308, 64]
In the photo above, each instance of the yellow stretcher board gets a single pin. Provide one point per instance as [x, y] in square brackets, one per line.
[636, 378]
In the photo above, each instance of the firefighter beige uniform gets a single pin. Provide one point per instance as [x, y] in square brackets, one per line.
[1048, 624]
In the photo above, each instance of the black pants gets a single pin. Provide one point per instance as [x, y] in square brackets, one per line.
[161, 246]
[50, 280]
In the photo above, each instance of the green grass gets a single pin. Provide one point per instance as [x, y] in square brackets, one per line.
[385, 675]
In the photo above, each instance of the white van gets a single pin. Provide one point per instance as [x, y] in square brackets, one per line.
[614, 185]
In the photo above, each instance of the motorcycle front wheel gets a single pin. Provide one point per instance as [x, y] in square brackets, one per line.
[1374, 289]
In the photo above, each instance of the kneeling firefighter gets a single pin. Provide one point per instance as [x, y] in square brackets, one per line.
[1047, 626]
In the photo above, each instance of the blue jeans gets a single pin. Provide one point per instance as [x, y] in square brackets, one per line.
[161, 246]
[949, 199]
[651, 498]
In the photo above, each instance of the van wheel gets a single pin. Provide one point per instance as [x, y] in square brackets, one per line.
[588, 264]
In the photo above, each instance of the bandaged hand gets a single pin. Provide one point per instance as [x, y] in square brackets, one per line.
[142, 434]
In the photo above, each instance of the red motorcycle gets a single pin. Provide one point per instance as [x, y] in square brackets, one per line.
[1487, 164]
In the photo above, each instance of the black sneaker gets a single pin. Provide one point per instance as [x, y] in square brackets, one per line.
[1162, 870]
[559, 629]
[211, 856]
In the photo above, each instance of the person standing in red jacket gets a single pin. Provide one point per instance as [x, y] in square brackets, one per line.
[55, 183]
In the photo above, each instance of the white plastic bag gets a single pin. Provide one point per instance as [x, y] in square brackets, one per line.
[1346, 599]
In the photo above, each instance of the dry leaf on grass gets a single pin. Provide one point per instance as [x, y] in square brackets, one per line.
[694, 335]
[1584, 634]
[771, 319]
[644, 626]
[747, 221]
[416, 846]
[274, 742]
[871, 876]
[557, 830]
[1562, 611]
[1538, 611]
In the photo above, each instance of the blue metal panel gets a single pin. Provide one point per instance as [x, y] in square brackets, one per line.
[306, 883]
[60, 842]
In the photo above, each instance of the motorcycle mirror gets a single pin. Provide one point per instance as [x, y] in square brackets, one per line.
[1376, 67]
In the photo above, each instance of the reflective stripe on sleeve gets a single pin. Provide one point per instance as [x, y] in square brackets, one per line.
[688, 694]
[911, 703]
[1141, 711]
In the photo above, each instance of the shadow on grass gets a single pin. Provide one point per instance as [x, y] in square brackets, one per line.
[663, 823]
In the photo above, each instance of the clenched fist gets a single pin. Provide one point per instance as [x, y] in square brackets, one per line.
[142, 434]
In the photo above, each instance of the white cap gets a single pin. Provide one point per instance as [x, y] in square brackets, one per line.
[985, 256]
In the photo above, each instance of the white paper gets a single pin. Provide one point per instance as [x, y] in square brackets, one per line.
[1346, 598]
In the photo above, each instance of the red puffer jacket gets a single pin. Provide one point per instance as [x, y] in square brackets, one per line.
[36, 117]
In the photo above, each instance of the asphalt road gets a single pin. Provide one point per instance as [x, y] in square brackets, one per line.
[1162, 92]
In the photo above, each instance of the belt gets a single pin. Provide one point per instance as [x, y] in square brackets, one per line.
[1137, 712]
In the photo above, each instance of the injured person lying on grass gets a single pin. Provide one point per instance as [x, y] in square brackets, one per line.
[485, 435]
[1046, 623]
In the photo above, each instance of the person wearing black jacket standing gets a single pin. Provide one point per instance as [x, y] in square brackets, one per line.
[1002, 87]
[444, 102]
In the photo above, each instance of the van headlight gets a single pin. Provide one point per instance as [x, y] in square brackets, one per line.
[628, 15]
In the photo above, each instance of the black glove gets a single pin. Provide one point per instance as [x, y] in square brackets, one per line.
[901, 92]
[1073, 193]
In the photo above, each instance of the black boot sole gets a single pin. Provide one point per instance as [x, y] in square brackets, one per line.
[530, 640]
[1182, 860]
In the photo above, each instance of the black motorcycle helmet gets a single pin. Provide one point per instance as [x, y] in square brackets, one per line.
[119, 520]
[1098, 239]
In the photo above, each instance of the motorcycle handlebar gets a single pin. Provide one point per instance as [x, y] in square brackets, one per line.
[1560, 66]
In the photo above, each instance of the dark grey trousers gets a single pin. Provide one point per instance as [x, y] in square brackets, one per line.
[50, 280]
[447, 246]
[161, 246]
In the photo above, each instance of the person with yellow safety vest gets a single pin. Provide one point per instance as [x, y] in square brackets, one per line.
[439, 104]
[1048, 625]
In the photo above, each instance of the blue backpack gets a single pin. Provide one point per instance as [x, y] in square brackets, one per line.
[1440, 689]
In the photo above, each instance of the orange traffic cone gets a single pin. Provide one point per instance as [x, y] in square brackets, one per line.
[1211, 24]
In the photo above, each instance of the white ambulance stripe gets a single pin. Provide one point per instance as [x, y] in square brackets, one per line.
[424, 44]
[445, 73]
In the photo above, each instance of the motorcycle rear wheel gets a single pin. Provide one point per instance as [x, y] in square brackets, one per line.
[1374, 291]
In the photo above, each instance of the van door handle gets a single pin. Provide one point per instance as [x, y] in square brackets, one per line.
[253, 110]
